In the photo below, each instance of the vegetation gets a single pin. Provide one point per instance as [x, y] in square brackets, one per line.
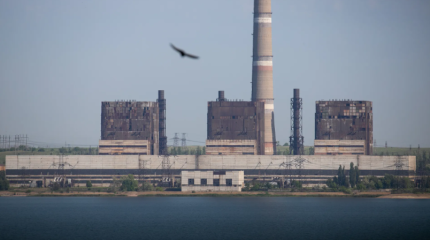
[4, 183]
[128, 183]
[342, 183]
[146, 186]
[89, 184]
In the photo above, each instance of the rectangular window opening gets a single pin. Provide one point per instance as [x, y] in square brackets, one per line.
[191, 181]
[229, 182]
[216, 182]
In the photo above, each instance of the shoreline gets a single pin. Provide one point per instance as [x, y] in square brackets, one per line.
[383, 195]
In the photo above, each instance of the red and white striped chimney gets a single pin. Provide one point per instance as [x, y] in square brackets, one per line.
[262, 70]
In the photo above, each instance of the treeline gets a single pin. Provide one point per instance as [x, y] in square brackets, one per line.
[345, 183]
[62, 150]
[187, 151]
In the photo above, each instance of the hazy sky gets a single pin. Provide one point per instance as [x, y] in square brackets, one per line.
[60, 59]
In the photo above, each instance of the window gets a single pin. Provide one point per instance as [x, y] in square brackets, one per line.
[216, 182]
[204, 182]
[229, 182]
[191, 181]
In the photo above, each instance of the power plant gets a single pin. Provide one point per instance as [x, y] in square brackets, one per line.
[240, 137]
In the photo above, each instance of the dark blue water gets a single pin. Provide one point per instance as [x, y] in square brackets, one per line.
[213, 218]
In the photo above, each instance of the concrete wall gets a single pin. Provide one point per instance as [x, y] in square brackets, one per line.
[101, 168]
[119, 147]
[231, 147]
[339, 147]
[183, 162]
[237, 178]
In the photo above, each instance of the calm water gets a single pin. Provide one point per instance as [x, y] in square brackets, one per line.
[213, 218]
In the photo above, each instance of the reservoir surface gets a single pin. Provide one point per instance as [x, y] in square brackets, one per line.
[213, 218]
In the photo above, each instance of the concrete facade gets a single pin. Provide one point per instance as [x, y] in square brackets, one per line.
[234, 121]
[212, 181]
[231, 147]
[124, 147]
[345, 120]
[340, 147]
[131, 120]
[315, 169]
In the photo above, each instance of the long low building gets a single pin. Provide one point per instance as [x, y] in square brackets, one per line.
[100, 169]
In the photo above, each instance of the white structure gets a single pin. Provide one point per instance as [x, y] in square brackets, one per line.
[212, 181]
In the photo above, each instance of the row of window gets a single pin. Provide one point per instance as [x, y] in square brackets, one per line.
[204, 182]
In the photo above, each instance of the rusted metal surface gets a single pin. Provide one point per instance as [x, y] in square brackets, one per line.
[345, 120]
[241, 120]
[131, 120]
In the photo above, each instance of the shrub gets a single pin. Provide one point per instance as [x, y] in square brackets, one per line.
[128, 183]
[89, 184]
[146, 186]
[56, 186]
[160, 189]
[296, 184]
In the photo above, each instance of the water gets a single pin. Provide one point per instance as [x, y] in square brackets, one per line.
[213, 218]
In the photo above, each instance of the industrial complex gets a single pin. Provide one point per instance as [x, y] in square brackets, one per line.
[240, 144]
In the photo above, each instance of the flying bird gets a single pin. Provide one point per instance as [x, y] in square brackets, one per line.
[183, 53]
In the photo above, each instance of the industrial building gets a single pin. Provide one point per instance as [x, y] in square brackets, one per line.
[212, 181]
[235, 127]
[343, 120]
[262, 70]
[132, 127]
[100, 169]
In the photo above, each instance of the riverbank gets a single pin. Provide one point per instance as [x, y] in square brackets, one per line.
[214, 194]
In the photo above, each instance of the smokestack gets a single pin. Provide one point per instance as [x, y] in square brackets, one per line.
[162, 123]
[262, 71]
[221, 96]
[296, 138]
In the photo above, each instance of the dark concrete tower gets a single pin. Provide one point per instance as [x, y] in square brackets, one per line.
[262, 71]
[162, 122]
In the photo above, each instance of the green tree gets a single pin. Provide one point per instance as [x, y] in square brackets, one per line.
[204, 151]
[357, 175]
[89, 184]
[285, 144]
[4, 183]
[128, 183]
[198, 151]
[146, 186]
[352, 177]
[311, 151]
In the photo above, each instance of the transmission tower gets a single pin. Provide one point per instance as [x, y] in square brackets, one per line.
[299, 163]
[176, 140]
[183, 141]
[287, 171]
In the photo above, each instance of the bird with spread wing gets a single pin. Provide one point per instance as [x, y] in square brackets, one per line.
[183, 53]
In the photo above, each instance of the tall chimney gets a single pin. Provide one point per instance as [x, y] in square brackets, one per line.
[262, 71]
[162, 123]
[296, 138]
